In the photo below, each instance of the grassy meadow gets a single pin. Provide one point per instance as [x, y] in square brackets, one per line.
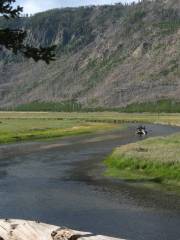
[14, 128]
[19, 126]
[154, 159]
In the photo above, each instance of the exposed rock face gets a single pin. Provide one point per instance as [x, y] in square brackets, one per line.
[106, 56]
[141, 50]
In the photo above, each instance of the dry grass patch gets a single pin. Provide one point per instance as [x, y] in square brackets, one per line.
[162, 118]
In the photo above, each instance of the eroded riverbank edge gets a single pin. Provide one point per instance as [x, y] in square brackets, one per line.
[154, 160]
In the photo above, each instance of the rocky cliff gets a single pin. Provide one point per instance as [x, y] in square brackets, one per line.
[106, 56]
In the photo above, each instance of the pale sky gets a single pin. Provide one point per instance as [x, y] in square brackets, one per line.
[33, 6]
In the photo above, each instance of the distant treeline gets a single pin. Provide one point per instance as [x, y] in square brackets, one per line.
[66, 106]
[166, 106]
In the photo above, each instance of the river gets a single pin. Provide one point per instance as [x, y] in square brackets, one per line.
[60, 182]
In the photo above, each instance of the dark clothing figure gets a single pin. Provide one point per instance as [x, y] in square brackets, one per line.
[141, 130]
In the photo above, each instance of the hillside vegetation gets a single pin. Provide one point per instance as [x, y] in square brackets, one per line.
[107, 57]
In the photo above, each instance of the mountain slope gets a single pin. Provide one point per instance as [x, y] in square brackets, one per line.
[108, 56]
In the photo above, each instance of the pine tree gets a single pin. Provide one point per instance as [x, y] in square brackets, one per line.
[13, 39]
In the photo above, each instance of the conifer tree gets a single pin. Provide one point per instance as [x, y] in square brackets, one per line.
[14, 39]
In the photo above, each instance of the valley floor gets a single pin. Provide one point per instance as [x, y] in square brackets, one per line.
[16, 127]
[155, 159]
[161, 118]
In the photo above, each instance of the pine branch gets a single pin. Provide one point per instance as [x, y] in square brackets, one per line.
[13, 39]
[7, 10]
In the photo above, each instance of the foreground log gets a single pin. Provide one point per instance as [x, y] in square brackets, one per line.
[28, 230]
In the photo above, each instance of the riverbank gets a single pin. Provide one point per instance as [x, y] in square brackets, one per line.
[155, 159]
[20, 126]
[21, 129]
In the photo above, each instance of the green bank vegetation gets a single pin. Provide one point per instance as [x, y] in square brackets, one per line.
[20, 129]
[155, 159]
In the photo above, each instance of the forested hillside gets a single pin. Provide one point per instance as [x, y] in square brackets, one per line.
[106, 56]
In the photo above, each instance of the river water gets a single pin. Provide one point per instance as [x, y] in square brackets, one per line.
[60, 182]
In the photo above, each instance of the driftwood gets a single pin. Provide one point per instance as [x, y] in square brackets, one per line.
[28, 230]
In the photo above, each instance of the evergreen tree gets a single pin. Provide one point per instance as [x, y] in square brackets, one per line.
[13, 39]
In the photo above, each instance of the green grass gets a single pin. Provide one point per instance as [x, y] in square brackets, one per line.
[155, 159]
[20, 129]
[18, 126]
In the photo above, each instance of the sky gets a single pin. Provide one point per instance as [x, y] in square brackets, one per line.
[33, 6]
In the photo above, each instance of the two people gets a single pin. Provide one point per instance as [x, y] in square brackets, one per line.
[141, 130]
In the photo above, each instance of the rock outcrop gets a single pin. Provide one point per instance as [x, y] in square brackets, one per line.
[108, 56]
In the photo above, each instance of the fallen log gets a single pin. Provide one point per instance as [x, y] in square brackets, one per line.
[12, 229]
